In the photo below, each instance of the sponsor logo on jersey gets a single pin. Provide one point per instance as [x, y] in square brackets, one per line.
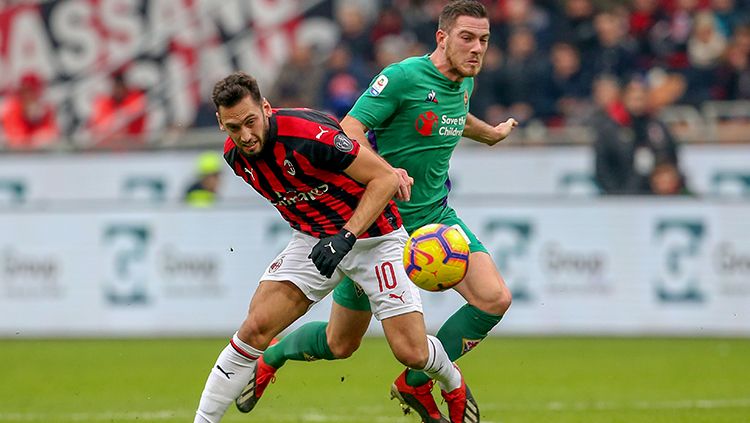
[469, 344]
[343, 143]
[289, 167]
[447, 126]
[292, 197]
[425, 122]
[431, 97]
[452, 126]
[378, 86]
[275, 265]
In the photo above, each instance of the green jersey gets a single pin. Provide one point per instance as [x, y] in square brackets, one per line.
[417, 116]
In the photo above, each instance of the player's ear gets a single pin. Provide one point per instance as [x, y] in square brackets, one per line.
[266, 107]
[440, 37]
[218, 119]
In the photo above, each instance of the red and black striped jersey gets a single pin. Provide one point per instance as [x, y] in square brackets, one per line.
[301, 172]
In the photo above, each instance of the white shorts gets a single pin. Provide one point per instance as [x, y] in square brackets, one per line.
[375, 264]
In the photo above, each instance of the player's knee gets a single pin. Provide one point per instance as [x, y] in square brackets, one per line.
[255, 332]
[502, 303]
[496, 302]
[343, 348]
[414, 358]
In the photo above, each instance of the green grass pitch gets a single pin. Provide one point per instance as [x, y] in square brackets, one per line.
[515, 380]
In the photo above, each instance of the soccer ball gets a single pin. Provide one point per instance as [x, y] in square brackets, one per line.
[436, 257]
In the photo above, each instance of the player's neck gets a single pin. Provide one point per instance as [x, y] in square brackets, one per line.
[443, 66]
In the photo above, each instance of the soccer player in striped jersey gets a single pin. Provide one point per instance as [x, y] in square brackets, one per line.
[416, 112]
[337, 198]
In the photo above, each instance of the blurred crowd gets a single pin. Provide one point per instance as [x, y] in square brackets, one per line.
[556, 63]
[546, 57]
[550, 61]
[611, 66]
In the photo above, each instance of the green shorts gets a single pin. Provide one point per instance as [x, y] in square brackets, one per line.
[349, 295]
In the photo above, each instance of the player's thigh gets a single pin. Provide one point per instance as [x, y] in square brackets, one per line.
[275, 306]
[290, 285]
[348, 294]
[407, 338]
[483, 286]
[345, 330]
[293, 264]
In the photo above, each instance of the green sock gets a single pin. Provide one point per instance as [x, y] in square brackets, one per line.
[308, 343]
[459, 334]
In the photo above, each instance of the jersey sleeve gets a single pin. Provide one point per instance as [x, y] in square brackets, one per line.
[333, 152]
[382, 98]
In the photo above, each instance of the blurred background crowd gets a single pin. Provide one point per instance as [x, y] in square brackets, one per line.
[632, 78]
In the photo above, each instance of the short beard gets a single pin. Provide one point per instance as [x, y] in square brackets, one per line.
[455, 68]
[262, 142]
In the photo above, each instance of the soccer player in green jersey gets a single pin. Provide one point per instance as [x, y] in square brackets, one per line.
[417, 110]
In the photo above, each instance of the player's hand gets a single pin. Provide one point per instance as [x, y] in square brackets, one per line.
[404, 185]
[329, 251]
[503, 130]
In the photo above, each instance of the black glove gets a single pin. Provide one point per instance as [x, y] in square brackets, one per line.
[329, 251]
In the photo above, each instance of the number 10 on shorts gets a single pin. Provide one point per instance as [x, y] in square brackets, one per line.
[386, 276]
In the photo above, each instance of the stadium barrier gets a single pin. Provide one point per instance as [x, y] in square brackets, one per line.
[594, 266]
[160, 177]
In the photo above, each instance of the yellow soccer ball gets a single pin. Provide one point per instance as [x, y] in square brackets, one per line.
[436, 257]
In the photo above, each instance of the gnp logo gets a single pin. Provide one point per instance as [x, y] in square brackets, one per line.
[127, 245]
[509, 240]
[425, 122]
[678, 248]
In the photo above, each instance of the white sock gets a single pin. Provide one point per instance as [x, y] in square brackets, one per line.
[439, 367]
[230, 374]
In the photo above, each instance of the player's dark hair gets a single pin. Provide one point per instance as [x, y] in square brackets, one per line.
[232, 89]
[454, 9]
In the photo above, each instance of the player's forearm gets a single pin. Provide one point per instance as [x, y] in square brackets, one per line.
[479, 130]
[378, 193]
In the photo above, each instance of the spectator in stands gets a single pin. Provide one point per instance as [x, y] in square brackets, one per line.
[203, 192]
[523, 69]
[568, 86]
[354, 31]
[614, 52]
[577, 24]
[728, 16]
[343, 82]
[706, 46]
[119, 117]
[513, 14]
[298, 81]
[29, 122]
[425, 20]
[733, 82]
[629, 145]
[643, 17]
[669, 37]
[488, 98]
[388, 23]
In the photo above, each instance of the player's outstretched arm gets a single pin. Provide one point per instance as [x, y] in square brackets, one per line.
[355, 130]
[481, 131]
